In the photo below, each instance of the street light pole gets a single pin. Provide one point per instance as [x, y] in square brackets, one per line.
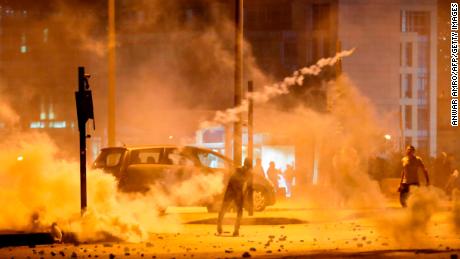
[111, 75]
[250, 123]
[237, 130]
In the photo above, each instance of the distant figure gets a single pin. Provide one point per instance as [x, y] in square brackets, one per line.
[239, 185]
[258, 169]
[452, 183]
[272, 174]
[409, 177]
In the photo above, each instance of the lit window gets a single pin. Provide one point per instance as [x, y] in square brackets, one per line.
[57, 124]
[37, 125]
[23, 48]
[45, 35]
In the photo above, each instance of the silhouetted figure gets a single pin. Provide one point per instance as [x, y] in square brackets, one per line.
[452, 182]
[272, 174]
[409, 175]
[238, 187]
[258, 169]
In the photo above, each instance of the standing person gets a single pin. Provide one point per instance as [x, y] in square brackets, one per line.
[238, 187]
[409, 175]
[258, 169]
[272, 174]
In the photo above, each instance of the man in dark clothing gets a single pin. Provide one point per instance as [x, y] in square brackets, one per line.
[239, 187]
[272, 174]
[409, 175]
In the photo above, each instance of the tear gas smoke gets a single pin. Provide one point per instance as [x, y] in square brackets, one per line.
[40, 189]
[7, 115]
[410, 226]
[341, 141]
[270, 91]
[456, 209]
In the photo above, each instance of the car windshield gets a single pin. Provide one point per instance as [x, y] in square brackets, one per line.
[109, 158]
[212, 160]
[146, 156]
[175, 156]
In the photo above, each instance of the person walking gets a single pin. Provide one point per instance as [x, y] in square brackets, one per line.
[409, 175]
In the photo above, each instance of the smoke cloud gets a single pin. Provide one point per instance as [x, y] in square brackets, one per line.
[456, 209]
[38, 189]
[411, 226]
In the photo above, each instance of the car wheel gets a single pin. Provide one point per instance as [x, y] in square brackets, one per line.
[259, 199]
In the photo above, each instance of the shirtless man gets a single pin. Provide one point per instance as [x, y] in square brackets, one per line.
[409, 175]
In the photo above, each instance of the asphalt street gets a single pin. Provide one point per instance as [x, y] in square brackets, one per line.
[280, 231]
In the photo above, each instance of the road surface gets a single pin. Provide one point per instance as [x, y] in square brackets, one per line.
[280, 231]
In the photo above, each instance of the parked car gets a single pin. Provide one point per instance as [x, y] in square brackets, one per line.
[138, 168]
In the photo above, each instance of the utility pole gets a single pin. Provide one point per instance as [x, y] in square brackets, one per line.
[250, 123]
[237, 128]
[338, 65]
[111, 75]
[84, 101]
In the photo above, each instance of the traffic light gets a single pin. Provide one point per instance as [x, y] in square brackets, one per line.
[84, 100]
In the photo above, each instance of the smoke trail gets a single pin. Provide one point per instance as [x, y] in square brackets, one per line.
[270, 91]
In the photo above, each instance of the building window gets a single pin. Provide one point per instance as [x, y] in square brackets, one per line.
[264, 16]
[408, 117]
[422, 86]
[415, 21]
[408, 46]
[407, 85]
[290, 53]
[423, 52]
[423, 118]
[320, 17]
[45, 35]
[321, 47]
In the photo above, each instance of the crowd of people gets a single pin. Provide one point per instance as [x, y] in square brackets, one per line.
[442, 170]
[282, 180]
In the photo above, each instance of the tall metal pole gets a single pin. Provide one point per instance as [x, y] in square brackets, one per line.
[237, 131]
[338, 65]
[111, 74]
[250, 123]
[82, 129]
